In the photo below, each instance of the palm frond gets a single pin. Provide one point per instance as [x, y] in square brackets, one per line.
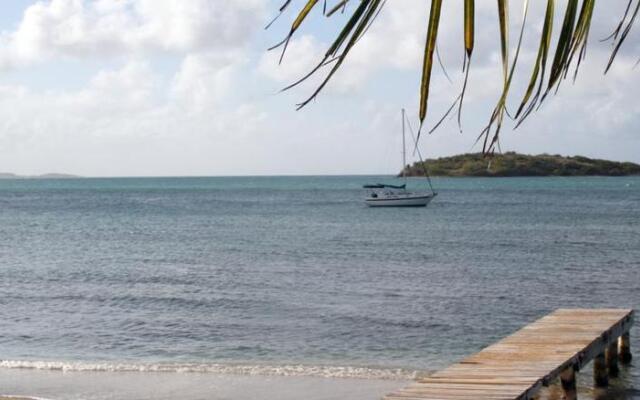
[283, 7]
[359, 23]
[622, 37]
[497, 117]
[302, 15]
[570, 49]
[563, 47]
[581, 35]
[540, 66]
[616, 32]
[469, 39]
[503, 17]
[341, 5]
[427, 65]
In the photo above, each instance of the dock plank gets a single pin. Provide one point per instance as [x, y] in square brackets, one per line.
[516, 367]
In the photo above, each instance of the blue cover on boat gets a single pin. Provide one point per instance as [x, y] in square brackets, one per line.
[383, 186]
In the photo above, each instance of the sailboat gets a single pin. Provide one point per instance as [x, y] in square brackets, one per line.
[385, 195]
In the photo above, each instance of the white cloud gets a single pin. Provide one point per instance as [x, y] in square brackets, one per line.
[204, 79]
[130, 121]
[134, 108]
[82, 28]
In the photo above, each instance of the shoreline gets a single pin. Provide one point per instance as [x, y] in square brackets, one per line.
[16, 398]
[12, 397]
[60, 385]
[221, 369]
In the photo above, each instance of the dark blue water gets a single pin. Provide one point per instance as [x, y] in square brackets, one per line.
[296, 270]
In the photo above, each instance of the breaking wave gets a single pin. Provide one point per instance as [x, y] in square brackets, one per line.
[221, 369]
[13, 397]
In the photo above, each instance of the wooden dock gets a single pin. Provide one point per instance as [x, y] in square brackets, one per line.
[515, 368]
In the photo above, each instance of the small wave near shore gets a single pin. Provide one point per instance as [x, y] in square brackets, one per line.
[294, 370]
[8, 397]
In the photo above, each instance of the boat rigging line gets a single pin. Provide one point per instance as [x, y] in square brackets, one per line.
[424, 167]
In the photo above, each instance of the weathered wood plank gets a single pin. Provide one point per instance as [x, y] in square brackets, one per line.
[516, 367]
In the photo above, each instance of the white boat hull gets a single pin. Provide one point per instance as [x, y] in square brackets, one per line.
[399, 201]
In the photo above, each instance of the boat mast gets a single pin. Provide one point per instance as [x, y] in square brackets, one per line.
[404, 150]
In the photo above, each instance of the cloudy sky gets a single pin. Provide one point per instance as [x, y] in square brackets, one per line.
[186, 87]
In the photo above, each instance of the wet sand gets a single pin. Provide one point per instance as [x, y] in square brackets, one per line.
[59, 385]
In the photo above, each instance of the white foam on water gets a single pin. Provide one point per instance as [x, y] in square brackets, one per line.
[324, 371]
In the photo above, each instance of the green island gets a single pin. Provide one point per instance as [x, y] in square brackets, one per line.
[515, 164]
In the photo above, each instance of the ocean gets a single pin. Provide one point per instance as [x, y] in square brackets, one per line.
[290, 287]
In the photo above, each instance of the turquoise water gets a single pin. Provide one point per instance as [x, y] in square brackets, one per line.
[295, 276]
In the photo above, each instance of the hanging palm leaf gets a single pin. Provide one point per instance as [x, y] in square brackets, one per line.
[469, 38]
[570, 48]
[427, 66]
[540, 66]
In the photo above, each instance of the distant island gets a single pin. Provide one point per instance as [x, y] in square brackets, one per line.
[514, 164]
[7, 175]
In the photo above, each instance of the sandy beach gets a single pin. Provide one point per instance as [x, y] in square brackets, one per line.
[14, 398]
[60, 385]
[23, 384]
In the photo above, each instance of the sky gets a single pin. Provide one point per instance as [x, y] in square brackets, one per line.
[188, 88]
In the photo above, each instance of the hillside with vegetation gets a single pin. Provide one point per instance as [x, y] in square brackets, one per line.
[514, 164]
